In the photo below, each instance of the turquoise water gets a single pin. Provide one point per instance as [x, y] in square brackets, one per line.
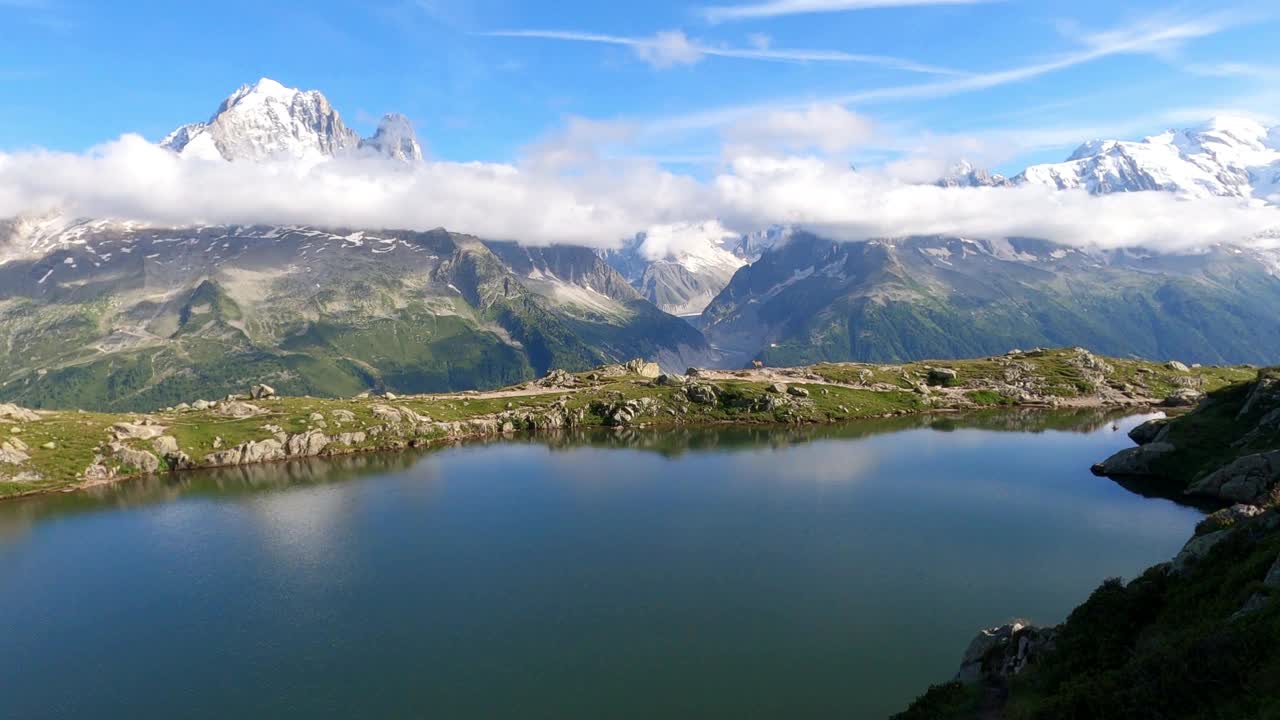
[820, 573]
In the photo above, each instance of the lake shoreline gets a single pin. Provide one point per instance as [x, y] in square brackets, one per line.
[68, 451]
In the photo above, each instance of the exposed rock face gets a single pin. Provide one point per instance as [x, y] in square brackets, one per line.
[307, 444]
[238, 409]
[1150, 431]
[1185, 397]
[1196, 548]
[141, 460]
[350, 438]
[13, 452]
[343, 416]
[1249, 479]
[136, 431]
[642, 368]
[998, 654]
[701, 394]
[1133, 461]
[941, 376]
[9, 411]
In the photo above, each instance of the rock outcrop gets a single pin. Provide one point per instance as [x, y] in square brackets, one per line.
[1249, 479]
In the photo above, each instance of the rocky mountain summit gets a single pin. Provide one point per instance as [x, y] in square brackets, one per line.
[268, 121]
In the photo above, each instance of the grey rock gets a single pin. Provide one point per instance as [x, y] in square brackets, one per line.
[136, 431]
[141, 460]
[9, 411]
[1133, 461]
[307, 444]
[1150, 431]
[798, 391]
[165, 445]
[642, 368]
[941, 376]
[1248, 479]
[350, 438]
[261, 392]
[1186, 397]
[1177, 366]
[1195, 550]
[343, 416]
[701, 394]
[239, 409]
[778, 388]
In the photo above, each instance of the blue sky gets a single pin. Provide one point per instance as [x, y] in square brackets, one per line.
[1017, 80]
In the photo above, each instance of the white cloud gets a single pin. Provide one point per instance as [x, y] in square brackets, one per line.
[564, 192]
[830, 128]
[671, 48]
[776, 8]
[676, 239]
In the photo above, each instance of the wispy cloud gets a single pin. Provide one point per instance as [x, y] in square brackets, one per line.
[670, 48]
[776, 8]
[1146, 37]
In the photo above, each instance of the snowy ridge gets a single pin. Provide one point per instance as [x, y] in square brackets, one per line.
[268, 121]
[1225, 157]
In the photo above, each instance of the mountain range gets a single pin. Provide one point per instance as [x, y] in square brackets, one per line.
[112, 314]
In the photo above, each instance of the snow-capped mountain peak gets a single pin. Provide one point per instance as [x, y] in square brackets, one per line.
[1227, 156]
[396, 139]
[265, 121]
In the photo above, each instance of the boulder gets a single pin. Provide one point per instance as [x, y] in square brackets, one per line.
[307, 444]
[777, 388]
[941, 376]
[701, 394]
[669, 379]
[1177, 366]
[350, 438]
[1185, 397]
[165, 445]
[798, 391]
[642, 368]
[1195, 550]
[261, 451]
[343, 416]
[1150, 431]
[202, 405]
[261, 392]
[1247, 479]
[9, 411]
[998, 654]
[1133, 461]
[239, 409]
[140, 460]
[13, 452]
[136, 431]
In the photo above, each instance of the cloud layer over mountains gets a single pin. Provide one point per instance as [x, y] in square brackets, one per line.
[775, 171]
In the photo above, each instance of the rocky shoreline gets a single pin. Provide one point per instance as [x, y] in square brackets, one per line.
[1224, 583]
[43, 451]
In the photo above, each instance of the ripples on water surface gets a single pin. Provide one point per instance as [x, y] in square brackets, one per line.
[729, 573]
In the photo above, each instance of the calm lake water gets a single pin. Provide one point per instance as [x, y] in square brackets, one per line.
[819, 573]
